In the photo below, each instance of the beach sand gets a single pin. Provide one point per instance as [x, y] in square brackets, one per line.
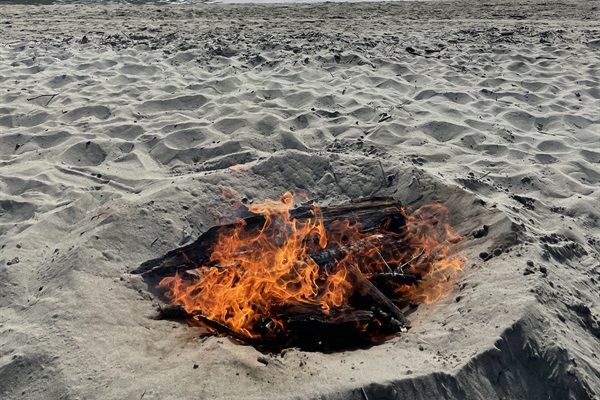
[119, 128]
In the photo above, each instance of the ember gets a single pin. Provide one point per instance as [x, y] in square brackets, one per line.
[314, 278]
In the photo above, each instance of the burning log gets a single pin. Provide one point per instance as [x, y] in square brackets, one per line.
[371, 214]
[307, 277]
[178, 312]
[327, 258]
[307, 328]
[313, 330]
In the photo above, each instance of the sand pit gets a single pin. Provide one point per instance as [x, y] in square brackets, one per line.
[120, 127]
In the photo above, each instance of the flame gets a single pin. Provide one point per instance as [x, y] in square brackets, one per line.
[253, 273]
[239, 169]
[432, 239]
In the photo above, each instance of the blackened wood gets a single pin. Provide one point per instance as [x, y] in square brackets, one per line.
[178, 313]
[371, 213]
[307, 327]
[369, 291]
[172, 312]
[355, 316]
[317, 331]
[224, 329]
[327, 258]
[299, 312]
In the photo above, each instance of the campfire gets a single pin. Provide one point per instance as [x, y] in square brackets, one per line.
[310, 277]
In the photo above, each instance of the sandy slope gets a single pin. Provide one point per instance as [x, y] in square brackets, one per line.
[118, 128]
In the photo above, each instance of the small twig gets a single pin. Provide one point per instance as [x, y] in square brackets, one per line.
[127, 37]
[52, 96]
[369, 291]
[461, 68]
[402, 105]
[384, 117]
[384, 262]
[37, 97]
[398, 277]
[484, 175]
[364, 393]
[401, 267]
[36, 299]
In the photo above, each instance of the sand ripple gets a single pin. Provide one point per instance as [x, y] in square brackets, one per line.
[121, 127]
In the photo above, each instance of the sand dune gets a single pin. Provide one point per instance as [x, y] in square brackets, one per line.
[119, 128]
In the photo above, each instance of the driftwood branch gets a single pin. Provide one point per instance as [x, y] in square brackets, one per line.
[371, 214]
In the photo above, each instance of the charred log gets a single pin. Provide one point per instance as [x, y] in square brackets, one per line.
[386, 281]
[178, 313]
[372, 214]
[307, 327]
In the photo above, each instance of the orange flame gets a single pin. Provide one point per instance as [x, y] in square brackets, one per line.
[254, 272]
[432, 237]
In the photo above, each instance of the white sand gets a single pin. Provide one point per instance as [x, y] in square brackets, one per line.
[113, 150]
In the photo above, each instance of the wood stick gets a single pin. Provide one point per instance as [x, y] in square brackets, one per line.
[44, 95]
[307, 327]
[301, 312]
[327, 258]
[369, 291]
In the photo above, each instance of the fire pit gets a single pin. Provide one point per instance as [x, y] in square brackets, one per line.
[324, 279]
